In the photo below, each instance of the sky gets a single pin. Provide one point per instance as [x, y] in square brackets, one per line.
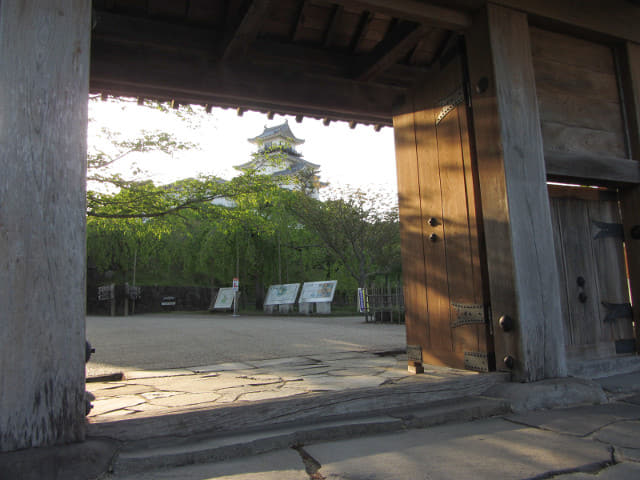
[360, 157]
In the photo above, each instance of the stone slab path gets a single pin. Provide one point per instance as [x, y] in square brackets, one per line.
[146, 392]
[595, 442]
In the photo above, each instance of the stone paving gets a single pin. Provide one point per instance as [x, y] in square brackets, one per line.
[145, 392]
[581, 442]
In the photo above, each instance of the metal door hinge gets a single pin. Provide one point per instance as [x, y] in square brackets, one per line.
[607, 229]
[449, 103]
[468, 314]
[479, 361]
[414, 353]
[616, 311]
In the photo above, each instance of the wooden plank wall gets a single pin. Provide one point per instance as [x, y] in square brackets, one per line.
[580, 107]
[629, 61]
[583, 252]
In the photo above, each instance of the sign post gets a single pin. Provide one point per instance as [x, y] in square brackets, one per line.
[236, 287]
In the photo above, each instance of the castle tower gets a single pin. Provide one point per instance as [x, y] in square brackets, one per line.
[277, 156]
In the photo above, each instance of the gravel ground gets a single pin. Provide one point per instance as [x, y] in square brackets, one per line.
[179, 340]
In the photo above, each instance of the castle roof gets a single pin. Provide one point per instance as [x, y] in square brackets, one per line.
[295, 164]
[282, 130]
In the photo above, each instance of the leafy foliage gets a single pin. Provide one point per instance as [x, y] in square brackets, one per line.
[204, 231]
[357, 228]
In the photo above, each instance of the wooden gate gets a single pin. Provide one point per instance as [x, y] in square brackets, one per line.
[445, 293]
[591, 260]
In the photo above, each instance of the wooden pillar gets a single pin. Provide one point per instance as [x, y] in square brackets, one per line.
[523, 277]
[44, 71]
[629, 66]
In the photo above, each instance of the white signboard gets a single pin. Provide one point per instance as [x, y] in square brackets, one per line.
[225, 298]
[318, 291]
[282, 294]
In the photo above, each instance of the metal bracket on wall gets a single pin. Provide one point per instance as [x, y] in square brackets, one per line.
[616, 311]
[468, 314]
[479, 361]
[414, 353]
[607, 229]
[450, 103]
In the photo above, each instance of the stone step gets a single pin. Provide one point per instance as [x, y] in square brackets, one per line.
[174, 451]
[604, 367]
[296, 410]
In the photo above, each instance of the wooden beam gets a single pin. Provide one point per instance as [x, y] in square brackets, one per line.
[596, 170]
[629, 66]
[141, 32]
[523, 277]
[190, 79]
[254, 104]
[614, 18]
[396, 44]
[317, 61]
[414, 11]
[247, 30]
[629, 71]
[314, 60]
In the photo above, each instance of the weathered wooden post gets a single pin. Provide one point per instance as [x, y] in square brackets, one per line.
[44, 72]
[629, 62]
[521, 261]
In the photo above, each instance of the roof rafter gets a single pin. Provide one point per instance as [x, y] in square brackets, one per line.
[333, 24]
[318, 61]
[299, 20]
[361, 30]
[413, 10]
[402, 38]
[247, 30]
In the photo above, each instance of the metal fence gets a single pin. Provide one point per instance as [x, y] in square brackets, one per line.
[384, 304]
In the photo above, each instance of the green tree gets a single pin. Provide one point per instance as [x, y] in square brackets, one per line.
[203, 231]
[359, 229]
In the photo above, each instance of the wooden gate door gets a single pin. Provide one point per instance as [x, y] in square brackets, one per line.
[445, 296]
[591, 261]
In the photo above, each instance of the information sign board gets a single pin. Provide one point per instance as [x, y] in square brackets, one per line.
[282, 294]
[318, 291]
[225, 298]
[362, 300]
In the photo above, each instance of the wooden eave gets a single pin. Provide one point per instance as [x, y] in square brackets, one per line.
[351, 60]
[335, 60]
